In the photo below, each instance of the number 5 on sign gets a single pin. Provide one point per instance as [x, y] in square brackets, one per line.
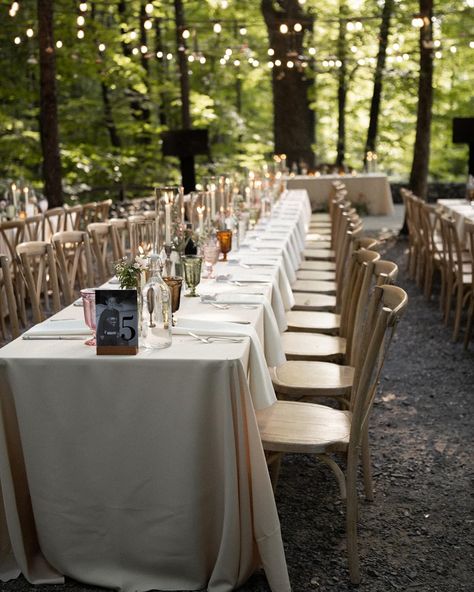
[117, 322]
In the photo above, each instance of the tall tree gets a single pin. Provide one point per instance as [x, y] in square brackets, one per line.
[293, 118]
[421, 154]
[48, 117]
[342, 84]
[371, 142]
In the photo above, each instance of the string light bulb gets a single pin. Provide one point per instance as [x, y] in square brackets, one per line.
[243, 30]
[101, 47]
[143, 49]
[289, 64]
[148, 25]
[236, 62]
[17, 40]
[133, 35]
[149, 8]
[312, 51]
[298, 27]
[217, 28]
[202, 60]
[417, 22]
[29, 32]
[59, 43]
[185, 34]
[83, 6]
[271, 51]
[284, 28]
[80, 34]
[277, 62]
[135, 51]
[80, 21]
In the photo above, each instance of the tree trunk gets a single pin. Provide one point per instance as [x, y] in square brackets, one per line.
[371, 142]
[342, 86]
[293, 119]
[162, 116]
[187, 162]
[109, 118]
[421, 155]
[48, 117]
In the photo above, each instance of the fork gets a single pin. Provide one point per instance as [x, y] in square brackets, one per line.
[215, 338]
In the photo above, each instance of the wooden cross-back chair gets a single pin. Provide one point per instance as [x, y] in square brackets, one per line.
[330, 348]
[103, 210]
[120, 237]
[33, 227]
[102, 247]
[53, 222]
[457, 272]
[89, 214]
[73, 217]
[431, 249]
[12, 232]
[295, 427]
[469, 235]
[38, 266]
[8, 306]
[74, 256]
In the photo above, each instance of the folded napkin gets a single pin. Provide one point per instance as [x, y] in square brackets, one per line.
[272, 326]
[57, 328]
[261, 388]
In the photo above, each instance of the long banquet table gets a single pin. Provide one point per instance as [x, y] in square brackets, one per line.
[371, 189]
[147, 472]
[460, 210]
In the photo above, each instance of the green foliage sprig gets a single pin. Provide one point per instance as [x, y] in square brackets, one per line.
[129, 272]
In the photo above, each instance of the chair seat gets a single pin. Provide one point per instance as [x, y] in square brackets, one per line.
[323, 234]
[308, 274]
[318, 244]
[318, 265]
[313, 301]
[314, 322]
[317, 254]
[297, 378]
[313, 346]
[321, 217]
[289, 426]
[319, 225]
[314, 286]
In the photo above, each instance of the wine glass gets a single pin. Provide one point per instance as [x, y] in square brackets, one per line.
[88, 301]
[192, 272]
[225, 242]
[211, 256]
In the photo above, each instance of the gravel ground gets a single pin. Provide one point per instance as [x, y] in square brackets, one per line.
[418, 533]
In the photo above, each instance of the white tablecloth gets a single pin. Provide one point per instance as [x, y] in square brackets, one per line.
[141, 472]
[460, 210]
[372, 190]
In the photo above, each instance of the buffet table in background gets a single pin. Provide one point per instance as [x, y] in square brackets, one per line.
[147, 472]
[371, 190]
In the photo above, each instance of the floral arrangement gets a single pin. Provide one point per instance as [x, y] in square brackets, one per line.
[129, 272]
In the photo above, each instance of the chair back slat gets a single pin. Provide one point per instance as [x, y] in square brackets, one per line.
[53, 221]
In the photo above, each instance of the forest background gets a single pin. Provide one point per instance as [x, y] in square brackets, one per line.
[118, 86]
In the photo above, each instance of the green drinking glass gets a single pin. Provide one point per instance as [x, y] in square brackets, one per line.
[192, 272]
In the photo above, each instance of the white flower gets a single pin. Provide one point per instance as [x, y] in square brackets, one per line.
[141, 263]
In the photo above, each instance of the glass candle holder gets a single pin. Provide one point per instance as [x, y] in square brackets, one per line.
[174, 284]
[225, 242]
[192, 272]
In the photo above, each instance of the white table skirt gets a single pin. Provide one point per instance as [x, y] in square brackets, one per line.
[372, 190]
[142, 472]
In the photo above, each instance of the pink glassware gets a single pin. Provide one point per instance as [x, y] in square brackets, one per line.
[211, 255]
[88, 301]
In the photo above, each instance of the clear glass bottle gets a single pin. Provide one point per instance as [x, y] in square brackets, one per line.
[156, 313]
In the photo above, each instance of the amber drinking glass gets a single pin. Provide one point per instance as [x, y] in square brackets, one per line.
[225, 242]
[174, 284]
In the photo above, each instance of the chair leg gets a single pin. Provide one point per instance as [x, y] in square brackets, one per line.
[351, 517]
[367, 466]
[457, 316]
[274, 463]
[335, 468]
[470, 316]
[447, 307]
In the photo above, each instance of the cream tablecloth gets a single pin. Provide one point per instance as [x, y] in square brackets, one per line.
[460, 210]
[372, 190]
[142, 472]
